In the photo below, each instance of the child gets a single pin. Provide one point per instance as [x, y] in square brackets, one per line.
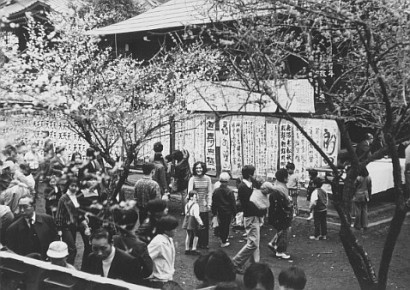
[292, 278]
[318, 204]
[192, 213]
[293, 186]
[162, 252]
[310, 188]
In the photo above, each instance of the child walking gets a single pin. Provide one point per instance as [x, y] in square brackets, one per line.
[318, 203]
[192, 221]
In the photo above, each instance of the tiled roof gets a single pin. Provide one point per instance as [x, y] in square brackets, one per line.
[172, 14]
[20, 6]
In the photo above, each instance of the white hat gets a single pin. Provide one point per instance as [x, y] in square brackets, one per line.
[57, 250]
[224, 177]
[7, 164]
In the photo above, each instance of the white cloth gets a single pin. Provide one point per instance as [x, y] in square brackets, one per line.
[247, 182]
[106, 264]
[162, 252]
[73, 199]
[32, 159]
[194, 211]
[293, 181]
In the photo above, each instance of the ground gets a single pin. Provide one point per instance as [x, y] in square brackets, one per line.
[324, 262]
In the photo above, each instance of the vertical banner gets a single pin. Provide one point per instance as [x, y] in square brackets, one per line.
[260, 146]
[331, 140]
[224, 126]
[210, 146]
[189, 138]
[271, 147]
[197, 153]
[317, 136]
[300, 149]
[236, 147]
[286, 144]
[248, 137]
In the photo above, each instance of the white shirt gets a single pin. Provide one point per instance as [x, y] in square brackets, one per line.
[162, 252]
[194, 211]
[106, 264]
[73, 199]
[33, 218]
[247, 182]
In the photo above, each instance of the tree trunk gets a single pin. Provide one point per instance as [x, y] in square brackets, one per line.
[125, 173]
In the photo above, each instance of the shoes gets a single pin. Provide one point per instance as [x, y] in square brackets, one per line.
[314, 238]
[203, 247]
[272, 248]
[283, 256]
[195, 253]
[322, 237]
[187, 252]
[224, 245]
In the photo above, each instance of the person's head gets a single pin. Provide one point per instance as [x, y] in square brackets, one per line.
[34, 146]
[199, 168]
[76, 158]
[25, 169]
[224, 177]
[318, 182]
[26, 206]
[282, 175]
[57, 253]
[168, 158]
[90, 154]
[126, 219]
[171, 285]
[53, 181]
[369, 137]
[257, 182]
[101, 243]
[177, 155]
[72, 185]
[290, 167]
[199, 267]
[219, 268]
[362, 171]
[148, 169]
[227, 286]
[158, 147]
[259, 276]
[293, 278]
[167, 225]
[248, 171]
[45, 134]
[313, 174]
[157, 208]
[192, 195]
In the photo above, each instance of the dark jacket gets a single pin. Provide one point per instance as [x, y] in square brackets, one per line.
[136, 248]
[280, 209]
[249, 208]
[20, 240]
[123, 266]
[147, 230]
[223, 201]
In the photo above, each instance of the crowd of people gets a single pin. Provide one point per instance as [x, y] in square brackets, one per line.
[132, 240]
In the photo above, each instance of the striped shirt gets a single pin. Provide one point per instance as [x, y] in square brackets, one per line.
[203, 185]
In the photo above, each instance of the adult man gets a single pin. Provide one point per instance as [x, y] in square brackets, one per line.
[363, 148]
[252, 221]
[108, 261]
[32, 232]
[280, 214]
[145, 190]
[160, 174]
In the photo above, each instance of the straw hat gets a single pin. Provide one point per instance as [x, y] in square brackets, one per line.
[57, 250]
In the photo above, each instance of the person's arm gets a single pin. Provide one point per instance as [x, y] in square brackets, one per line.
[233, 201]
[195, 210]
[156, 192]
[313, 199]
[191, 184]
[214, 206]
[210, 191]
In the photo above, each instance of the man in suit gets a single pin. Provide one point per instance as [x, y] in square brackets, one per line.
[108, 261]
[32, 232]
